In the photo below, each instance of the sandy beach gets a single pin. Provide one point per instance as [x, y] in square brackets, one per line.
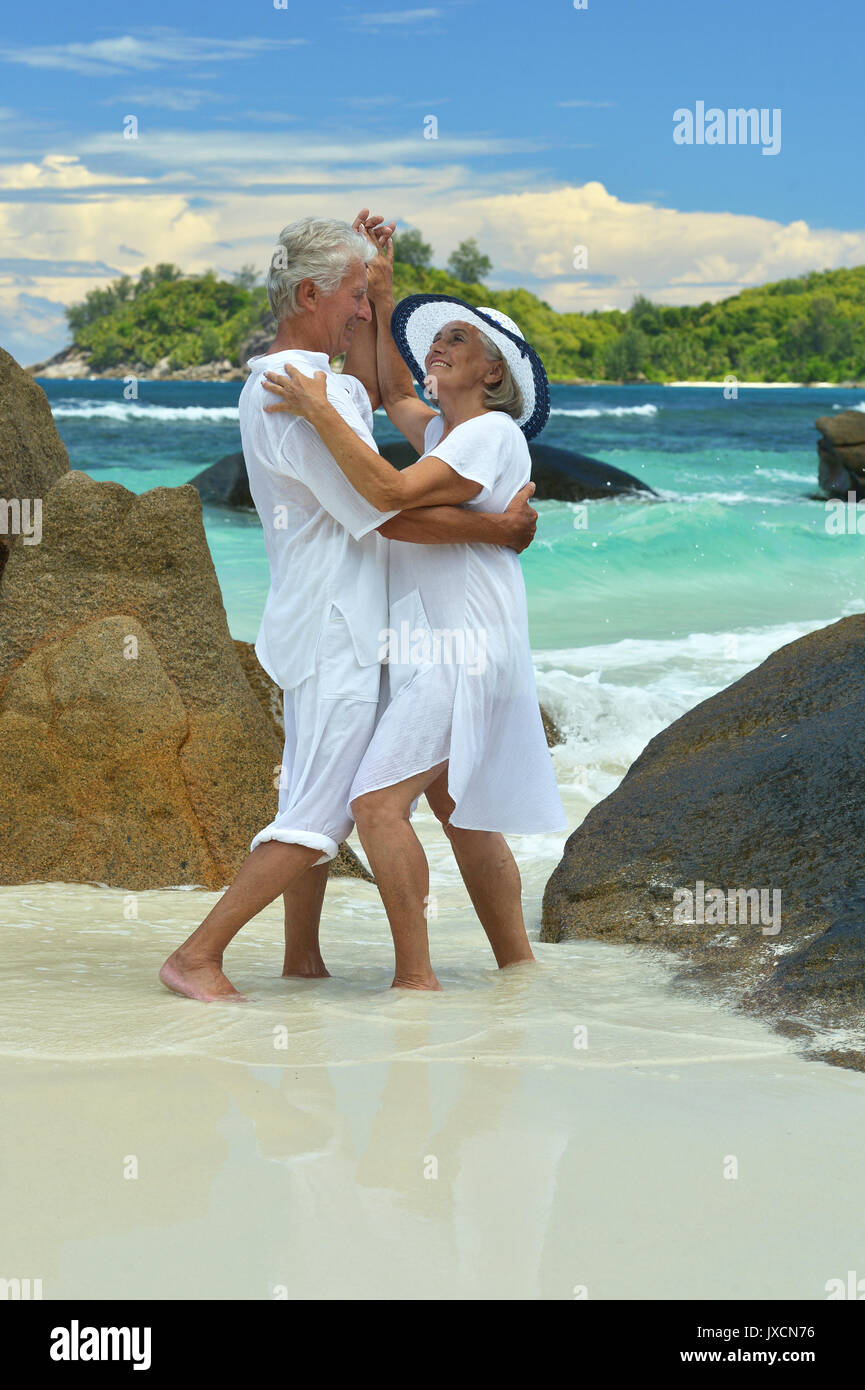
[549, 1132]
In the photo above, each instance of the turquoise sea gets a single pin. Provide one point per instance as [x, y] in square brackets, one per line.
[638, 609]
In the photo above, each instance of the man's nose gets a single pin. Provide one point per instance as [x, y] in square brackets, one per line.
[364, 312]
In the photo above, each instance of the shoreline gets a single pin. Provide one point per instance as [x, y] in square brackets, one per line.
[239, 374]
[328, 1101]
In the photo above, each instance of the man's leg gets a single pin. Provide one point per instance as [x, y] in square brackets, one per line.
[303, 903]
[326, 736]
[195, 968]
[489, 872]
[401, 873]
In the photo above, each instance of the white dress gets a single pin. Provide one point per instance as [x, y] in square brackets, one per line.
[461, 685]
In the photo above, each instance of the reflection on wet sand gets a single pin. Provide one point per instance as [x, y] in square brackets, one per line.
[334, 1139]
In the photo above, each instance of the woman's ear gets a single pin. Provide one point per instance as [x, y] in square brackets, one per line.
[494, 375]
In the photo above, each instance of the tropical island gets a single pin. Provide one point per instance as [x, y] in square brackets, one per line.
[165, 324]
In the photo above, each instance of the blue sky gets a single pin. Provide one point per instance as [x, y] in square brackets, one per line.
[554, 131]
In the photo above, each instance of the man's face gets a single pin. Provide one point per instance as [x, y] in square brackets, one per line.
[345, 308]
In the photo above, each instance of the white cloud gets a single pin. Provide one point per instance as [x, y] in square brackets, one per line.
[235, 156]
[673, 257]
[164, 98]
[129, 53]
[58, 171]
[396, 17]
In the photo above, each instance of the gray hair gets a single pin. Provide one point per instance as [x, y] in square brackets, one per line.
[505, 394]
[314, 248]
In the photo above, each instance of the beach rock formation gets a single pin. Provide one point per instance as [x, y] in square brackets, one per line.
[73, 364]
[558, 474]
[225, 483]
[32, 454]
[69, 364]
[841, 453]
[133, 750]
[754, 789]
[564, 475]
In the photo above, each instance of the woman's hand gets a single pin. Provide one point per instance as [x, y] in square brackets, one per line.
[299, 394]
[380, 283]
[380, 271]
[373, 225]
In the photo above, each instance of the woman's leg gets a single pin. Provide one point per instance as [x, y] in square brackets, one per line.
[489, 872]
[401, 873]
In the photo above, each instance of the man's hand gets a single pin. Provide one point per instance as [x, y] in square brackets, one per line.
[520, 520]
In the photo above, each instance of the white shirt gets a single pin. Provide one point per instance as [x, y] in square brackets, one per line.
[319, 533]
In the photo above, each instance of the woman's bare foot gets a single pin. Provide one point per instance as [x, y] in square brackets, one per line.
[307, 966]
[415, 982]
[197, 979]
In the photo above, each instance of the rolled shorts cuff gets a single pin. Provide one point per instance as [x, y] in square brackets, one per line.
[309, 838]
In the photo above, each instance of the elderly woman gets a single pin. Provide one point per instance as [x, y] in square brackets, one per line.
[462, 723]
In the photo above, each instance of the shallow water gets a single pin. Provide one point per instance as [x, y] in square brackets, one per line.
[519, 1135]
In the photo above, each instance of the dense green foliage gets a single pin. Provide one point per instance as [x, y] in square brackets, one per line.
[190, 319]
[811, 328]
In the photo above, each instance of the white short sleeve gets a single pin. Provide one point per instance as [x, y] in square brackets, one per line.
[309, 459]
[478, 450]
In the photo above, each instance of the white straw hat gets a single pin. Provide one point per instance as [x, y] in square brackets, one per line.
[416, 320]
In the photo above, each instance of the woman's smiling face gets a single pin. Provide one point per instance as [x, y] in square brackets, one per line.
[457, 358]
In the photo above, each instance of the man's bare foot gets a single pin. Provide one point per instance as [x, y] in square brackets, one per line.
[305, 967]
[202, 980]
[415, 982]
[517, 960]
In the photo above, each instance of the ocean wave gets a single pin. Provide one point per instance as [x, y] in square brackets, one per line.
[730, 498]
[592, 412]
[134, 410]
[610, 700]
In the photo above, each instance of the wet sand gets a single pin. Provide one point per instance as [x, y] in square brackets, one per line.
[332, 1139]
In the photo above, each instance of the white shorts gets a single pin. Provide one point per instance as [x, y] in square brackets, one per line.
[329, 721]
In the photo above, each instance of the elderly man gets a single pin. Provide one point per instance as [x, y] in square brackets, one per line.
[327, 605]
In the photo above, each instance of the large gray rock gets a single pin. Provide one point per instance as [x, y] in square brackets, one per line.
[841, 453]
[225, 483]
[559, 475]
[758, 787]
